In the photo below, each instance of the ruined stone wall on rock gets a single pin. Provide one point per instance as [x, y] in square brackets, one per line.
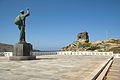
[83, 36]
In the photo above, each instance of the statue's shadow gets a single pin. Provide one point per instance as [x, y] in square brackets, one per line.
[45, 58]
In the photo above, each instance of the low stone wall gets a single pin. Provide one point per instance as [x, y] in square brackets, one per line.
[74, 53]
[85, 53]
[6, 53]
[116, 55]
[44, 53]
[66, 53]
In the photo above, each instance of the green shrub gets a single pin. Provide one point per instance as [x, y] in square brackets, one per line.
[83, 45]
[93, 48]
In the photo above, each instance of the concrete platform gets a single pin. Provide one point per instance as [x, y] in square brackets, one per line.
[53, 67]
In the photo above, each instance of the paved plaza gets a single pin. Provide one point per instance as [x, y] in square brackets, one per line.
[51, 67]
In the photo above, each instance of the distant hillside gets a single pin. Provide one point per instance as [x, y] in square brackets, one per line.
[6, 47]
[99, 46]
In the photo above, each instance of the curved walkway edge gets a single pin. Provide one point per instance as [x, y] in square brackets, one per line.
[99, 73]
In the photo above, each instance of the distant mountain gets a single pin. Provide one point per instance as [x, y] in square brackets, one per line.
[6, 47]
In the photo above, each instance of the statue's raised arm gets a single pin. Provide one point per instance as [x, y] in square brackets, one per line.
[28, 13]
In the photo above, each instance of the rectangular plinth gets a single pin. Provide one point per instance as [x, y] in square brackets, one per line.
[22, 49]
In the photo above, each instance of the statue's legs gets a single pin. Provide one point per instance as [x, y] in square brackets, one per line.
[19, 27]
[22, 34]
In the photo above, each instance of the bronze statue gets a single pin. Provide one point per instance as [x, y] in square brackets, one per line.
[20, 21]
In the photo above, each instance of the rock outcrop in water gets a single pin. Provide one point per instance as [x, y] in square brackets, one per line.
[82, 44]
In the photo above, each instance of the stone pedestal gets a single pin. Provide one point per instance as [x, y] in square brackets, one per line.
[22, 51]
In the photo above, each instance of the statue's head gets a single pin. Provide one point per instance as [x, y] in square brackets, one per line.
[22, 11]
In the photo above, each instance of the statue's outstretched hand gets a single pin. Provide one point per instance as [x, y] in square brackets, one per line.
[28, 9]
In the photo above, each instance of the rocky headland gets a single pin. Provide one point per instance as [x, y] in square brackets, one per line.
[82, 44]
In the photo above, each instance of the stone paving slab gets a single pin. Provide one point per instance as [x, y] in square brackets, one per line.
[51, 67]
[114, 72]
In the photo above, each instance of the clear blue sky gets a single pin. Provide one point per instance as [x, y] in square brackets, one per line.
[55, 23]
